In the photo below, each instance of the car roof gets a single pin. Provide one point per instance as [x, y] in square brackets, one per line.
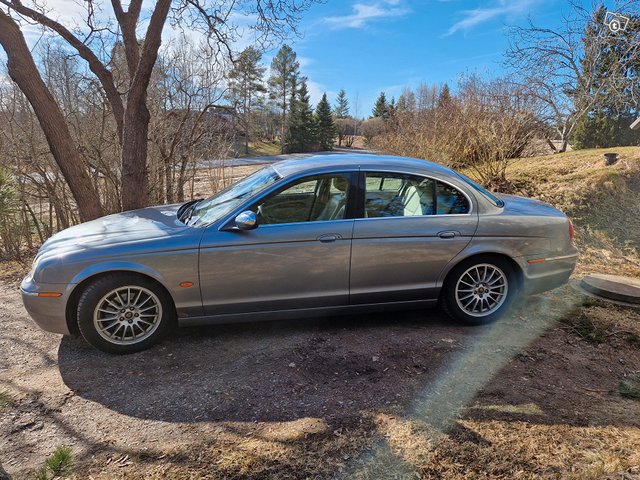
[332, 161]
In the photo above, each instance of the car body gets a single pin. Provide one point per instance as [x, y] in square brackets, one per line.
[321, 235]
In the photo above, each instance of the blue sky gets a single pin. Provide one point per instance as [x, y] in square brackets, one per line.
[368, 46]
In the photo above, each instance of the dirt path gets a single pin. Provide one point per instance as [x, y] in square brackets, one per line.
[356, 396]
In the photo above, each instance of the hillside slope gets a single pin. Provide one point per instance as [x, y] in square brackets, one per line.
[603, 202]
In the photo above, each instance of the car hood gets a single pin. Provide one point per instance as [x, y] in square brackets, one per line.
[120, 228]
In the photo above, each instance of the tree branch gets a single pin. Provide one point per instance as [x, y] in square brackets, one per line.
[103, 74]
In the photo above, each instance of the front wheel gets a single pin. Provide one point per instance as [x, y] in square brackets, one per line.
[124, 313]
[480, 290]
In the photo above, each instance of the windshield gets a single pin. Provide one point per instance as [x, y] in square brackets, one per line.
[220, 204]
[486, 193]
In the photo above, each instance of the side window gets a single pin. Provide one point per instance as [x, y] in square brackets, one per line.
[398, 195]
[311, 199]
[450, 200]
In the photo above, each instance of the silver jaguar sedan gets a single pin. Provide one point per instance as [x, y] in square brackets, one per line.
[328, 234]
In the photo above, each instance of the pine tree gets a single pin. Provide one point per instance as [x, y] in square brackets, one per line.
[444, 100]
[381, 108]
[284, 69]
[341, 109]
[325, 127]
[301, 125]
[245, 83]
[392, 107]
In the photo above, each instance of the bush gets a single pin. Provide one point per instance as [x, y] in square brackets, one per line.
[602, 131]
[372, 128]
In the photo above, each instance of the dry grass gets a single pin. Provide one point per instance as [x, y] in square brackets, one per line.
[602, 201]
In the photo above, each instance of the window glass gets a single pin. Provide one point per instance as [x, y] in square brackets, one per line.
[486, 193]
[398, 195]
[222, 203]
[312, 199]
[450, 200]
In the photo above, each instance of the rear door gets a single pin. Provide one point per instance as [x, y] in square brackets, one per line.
[409, 228]
[298, 256]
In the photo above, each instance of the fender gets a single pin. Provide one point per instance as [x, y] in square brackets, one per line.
[118, 265]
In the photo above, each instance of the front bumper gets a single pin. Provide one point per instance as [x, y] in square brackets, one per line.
[49, 313]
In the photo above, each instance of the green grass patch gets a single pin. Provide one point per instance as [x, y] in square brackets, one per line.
[42, 474]
[630, 387]
[61, 462]
[584, 326]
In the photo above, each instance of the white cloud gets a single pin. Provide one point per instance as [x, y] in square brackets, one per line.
[472, 18]
[363, 13]
[304, 61]
[316, 90]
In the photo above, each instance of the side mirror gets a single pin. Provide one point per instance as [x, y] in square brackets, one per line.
[246, 220]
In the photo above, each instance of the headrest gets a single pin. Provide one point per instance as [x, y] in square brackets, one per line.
[341, 183]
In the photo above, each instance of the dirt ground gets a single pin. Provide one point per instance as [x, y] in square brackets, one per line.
[401, 395]
[396, 395]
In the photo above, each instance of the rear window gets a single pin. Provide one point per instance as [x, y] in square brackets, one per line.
[483, 191]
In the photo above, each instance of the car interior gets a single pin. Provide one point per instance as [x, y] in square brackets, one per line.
[320, 198]
[324, 197]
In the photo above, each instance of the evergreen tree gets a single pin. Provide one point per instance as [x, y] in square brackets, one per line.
[381, 109]
[392, 107]
[284, 70]
[342, 105]
[444, 100]
[301, 125]
[245, 82]
[325, 127]
[614, 108]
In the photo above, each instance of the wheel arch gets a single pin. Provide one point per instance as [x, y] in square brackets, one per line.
[517, 268]
[71, 310]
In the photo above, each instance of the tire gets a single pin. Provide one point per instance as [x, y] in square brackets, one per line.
[124, 313]
[480, 290]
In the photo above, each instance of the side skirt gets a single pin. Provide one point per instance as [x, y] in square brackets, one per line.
[304, 313]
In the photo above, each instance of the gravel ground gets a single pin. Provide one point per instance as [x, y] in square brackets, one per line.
[283, 397]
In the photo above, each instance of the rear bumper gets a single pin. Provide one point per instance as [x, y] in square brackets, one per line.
[49, 313]
[543, 274]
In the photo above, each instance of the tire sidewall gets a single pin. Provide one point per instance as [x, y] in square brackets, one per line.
[449, 295]
[98, 289]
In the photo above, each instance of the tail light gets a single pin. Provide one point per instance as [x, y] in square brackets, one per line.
[572, 232]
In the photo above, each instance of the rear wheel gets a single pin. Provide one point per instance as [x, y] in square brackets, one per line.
[480, 290]
[124, 313]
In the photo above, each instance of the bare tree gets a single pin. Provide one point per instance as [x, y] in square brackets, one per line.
[129, 107]
[185, 112]
[570, 68]
[22, 70]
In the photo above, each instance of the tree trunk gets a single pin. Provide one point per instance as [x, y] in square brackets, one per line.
[135, 182]
[23, 71]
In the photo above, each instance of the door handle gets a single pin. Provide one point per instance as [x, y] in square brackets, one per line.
[448, 234]
[329, 237]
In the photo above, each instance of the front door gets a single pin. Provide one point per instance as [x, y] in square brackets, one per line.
[298, 256]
